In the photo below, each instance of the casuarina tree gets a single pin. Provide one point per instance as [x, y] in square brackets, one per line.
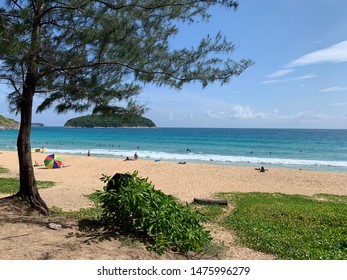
[96, 55]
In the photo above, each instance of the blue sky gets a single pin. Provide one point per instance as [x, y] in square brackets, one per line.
[299, 79]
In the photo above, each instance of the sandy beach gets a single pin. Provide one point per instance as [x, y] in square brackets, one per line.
[28, 237]
[185, 181]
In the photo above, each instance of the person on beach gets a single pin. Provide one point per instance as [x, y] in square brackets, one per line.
[88, 154]
[127, 159]
[261, 169]
[136, 156]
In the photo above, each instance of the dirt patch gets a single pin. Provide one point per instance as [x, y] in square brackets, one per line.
[25, 235]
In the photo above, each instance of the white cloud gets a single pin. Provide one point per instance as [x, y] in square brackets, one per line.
[333, 54]
[181, 117]
[173, 117]
[338, 104]
[216, 115]
[310, 115]
[240, 112]
[300, 78]
[304, 77]
[280, 73]
[270, 82]
[334, 89]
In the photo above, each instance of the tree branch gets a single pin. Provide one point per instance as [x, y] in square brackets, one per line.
[16, 4]
[233, 4]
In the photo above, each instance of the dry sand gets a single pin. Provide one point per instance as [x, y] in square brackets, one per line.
[185, 181]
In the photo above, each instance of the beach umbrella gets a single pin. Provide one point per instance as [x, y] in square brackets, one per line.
[53, 161]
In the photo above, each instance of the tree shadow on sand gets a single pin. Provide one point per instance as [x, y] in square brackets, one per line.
[93, 232]
[80, 234]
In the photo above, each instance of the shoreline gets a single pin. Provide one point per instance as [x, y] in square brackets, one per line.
[312, 165]
[307, 150]
[187, 181]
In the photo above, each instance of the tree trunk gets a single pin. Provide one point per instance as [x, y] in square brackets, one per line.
[211, 201]
[28, 186]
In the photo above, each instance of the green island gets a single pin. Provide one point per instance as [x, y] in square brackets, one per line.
[37, 125]
[6, 123]
[109, 121]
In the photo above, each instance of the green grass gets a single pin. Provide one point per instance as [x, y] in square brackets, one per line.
[291, 226]
[211, 212]
[331, 197]
[286, 226]
[95, 197]
[3, 170]
[92, 213]
[84, 213]
[11, 185]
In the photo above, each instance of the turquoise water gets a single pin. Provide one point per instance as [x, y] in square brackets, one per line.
[313, 149]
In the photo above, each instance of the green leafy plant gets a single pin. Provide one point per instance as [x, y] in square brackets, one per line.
[136, 207]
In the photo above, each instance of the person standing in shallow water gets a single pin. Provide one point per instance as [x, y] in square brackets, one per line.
[136, 156]
[88, 154]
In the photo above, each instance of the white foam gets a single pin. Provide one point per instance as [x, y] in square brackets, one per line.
[202, 157]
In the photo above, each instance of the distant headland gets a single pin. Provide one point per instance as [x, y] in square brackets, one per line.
[10, 124]
[91, 121]
[37, 125]
[6, 123]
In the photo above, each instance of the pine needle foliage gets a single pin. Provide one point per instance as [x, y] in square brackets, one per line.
[96, 55]
[84, 54]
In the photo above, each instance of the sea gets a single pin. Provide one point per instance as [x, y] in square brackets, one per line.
[308, 149]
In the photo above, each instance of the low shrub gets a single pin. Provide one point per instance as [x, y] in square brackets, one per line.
[136, 207]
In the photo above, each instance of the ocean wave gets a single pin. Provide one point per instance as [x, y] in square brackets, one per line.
[223, 159]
